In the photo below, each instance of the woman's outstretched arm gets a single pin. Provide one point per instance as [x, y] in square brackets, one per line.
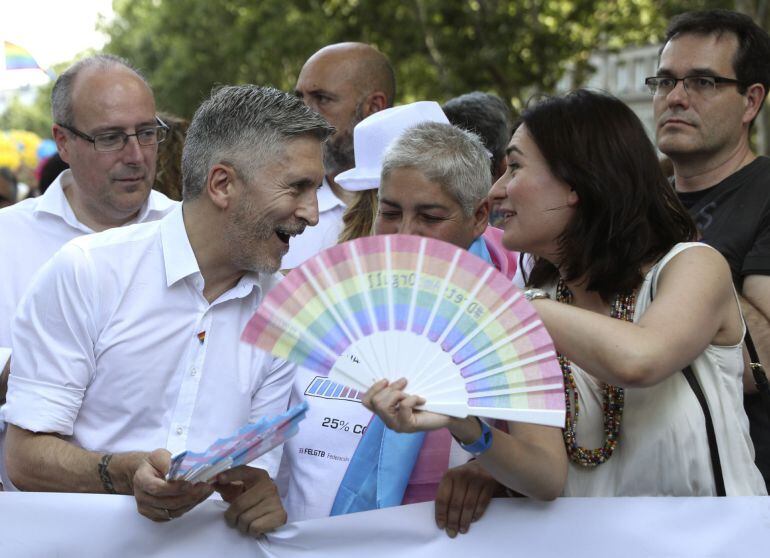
[694, 306]
[530, 459]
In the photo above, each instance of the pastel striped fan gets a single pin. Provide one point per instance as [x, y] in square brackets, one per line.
[403, 306]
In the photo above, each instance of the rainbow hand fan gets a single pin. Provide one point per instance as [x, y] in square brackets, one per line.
[386, 307]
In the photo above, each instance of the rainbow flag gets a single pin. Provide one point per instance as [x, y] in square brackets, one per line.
[18, 58]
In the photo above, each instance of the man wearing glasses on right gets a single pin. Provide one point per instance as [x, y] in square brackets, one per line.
[105, 127]
[712, 79]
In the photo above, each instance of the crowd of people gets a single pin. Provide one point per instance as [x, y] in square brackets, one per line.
[123, 308]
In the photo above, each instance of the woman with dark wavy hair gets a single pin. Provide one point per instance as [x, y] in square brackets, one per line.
[645, 320]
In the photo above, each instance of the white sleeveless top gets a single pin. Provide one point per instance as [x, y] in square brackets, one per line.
[663, 449]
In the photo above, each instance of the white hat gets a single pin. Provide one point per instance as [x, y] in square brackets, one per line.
[373, 135]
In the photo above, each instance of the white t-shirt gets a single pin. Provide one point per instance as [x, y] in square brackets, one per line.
[323, 235]
[116, 347]
[315, 460]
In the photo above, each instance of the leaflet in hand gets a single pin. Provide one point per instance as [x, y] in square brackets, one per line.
[243, 447]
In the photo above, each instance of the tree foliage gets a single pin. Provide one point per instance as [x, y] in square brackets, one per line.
[34, 117]
[440, 48]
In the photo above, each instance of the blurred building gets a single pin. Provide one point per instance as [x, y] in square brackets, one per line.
[622, 73]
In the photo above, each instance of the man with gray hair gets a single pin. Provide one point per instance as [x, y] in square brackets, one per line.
[105, 127]
[129, 339]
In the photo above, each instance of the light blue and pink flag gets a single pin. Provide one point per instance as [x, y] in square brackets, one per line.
[243, 447]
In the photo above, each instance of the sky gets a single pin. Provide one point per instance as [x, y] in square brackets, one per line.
[51, 30]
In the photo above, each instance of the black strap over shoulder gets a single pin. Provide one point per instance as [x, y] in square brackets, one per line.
[758, 371]
[692, 380]
[753, 355]
[716, 464]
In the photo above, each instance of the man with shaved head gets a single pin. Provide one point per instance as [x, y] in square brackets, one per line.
[344, 83]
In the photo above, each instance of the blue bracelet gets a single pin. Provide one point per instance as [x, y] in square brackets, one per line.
[482, 444]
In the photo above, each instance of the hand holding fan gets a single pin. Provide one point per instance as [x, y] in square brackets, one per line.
[243, 447]
[386, 307]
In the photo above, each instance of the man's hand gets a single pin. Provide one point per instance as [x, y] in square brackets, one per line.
[255, 507]
[463, 496]
[162, 500]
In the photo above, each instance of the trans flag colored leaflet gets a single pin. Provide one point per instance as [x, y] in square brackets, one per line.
[386, 307]
[243, 447]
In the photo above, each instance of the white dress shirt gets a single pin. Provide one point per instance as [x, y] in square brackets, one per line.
[323, 235]
[33, 230]
[109, 348]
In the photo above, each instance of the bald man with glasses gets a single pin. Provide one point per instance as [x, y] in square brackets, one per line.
[711, 83]
[107, 130]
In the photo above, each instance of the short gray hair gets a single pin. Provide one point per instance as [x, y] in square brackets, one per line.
[243, 125]
[61, 94]
[447, 155]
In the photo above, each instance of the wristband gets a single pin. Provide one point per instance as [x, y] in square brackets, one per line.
[483, 443]
[104, 474]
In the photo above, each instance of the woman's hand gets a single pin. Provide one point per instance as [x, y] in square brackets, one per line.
[397, 409]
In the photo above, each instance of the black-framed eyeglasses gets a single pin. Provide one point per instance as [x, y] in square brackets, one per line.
[115, 141]
[701, 85]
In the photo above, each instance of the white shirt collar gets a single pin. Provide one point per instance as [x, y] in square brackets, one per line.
[178, 256]
[326, 198]
[180, 262]
[54, 202]
[157, 203]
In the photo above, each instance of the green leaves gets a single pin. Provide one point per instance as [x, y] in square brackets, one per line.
[440, 48]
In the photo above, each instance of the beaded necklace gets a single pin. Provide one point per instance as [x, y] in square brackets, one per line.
[612, 396]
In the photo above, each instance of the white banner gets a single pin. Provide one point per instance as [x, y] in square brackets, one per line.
[41, 525]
